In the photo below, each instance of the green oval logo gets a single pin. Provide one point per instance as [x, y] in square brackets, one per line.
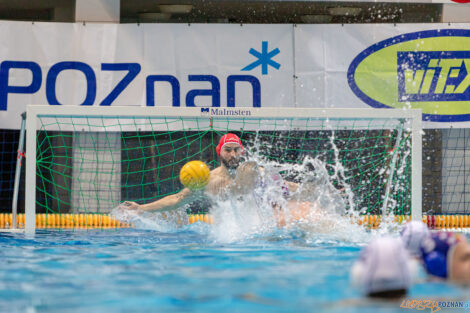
[429, 70]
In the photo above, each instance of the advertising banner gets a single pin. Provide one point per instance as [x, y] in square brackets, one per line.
[381, 66]
[424, 66]
[149, 65]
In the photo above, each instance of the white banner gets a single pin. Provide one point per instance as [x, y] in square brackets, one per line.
[424, 66]
[148, 65]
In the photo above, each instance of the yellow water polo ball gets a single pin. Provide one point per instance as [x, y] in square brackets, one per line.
[195, 175]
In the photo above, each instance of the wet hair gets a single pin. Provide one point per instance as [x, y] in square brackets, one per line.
[388, 294]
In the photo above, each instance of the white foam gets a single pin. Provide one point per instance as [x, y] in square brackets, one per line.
[252, 215]
[164, 222]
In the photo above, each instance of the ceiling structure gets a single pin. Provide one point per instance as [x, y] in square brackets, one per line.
[235, 11]
[293, 12]
[37, 10]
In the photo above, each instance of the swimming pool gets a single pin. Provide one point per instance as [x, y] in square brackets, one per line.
[185, 270]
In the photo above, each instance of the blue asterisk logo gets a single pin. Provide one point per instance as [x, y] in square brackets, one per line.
[264, 59]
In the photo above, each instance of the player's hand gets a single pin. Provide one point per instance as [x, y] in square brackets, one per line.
[130, 205]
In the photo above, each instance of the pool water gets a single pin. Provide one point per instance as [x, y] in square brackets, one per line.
[186, 270]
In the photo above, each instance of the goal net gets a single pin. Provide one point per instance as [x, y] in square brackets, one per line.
[90, 159]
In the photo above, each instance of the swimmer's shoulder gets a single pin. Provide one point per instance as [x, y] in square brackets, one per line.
[217, 180]
[216, 175]
[216, 171]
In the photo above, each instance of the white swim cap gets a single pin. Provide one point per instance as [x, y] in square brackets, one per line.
[384, 265]
[413, 234]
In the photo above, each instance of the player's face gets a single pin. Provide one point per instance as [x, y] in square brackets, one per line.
[460, 267]
[230, 155]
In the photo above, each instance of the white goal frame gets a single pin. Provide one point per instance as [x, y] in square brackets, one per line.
[33, 111]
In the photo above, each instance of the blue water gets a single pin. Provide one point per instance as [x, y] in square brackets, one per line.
[133, 270]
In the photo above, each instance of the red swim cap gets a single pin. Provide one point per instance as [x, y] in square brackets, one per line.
[228, 138]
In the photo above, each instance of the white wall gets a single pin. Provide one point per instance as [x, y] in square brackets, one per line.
[103, 11]
[456, 13]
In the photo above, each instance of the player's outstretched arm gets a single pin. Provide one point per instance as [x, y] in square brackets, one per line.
[168, 203]
[194, 175]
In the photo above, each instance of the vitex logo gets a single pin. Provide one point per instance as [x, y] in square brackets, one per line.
[433, 76]
[428, 70]
[205, 111]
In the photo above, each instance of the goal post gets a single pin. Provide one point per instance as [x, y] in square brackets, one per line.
[83, 159]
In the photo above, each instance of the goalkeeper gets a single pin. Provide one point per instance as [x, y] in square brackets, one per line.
[229, 150]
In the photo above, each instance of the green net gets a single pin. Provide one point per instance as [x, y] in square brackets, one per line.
[91, 164]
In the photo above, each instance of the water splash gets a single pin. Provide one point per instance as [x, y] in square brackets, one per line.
[315, 211]
[164, 222]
